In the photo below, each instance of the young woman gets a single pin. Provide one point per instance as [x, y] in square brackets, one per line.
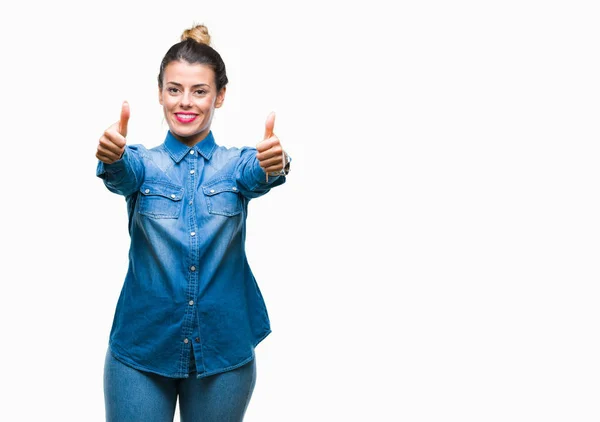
[190, 312]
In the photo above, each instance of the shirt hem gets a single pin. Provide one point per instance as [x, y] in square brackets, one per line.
[230, 368]
[134, 365]
[125, 360]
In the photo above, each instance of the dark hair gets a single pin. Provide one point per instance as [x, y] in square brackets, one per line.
[194, 48]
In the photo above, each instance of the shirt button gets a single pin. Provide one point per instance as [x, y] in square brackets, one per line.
[193, 268]
[192, 152]
[212, 191]
[191, 302]
[193, 233]
[147, 191]
[185, 340]
[192, 172]
[190, 202]
[197, 339]
[234, 188]
[172, 195]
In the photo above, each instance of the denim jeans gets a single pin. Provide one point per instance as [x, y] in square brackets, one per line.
[131, 395]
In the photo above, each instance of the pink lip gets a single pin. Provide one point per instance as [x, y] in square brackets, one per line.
[188, 115]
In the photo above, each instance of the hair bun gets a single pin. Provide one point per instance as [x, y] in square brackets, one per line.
[198, 33]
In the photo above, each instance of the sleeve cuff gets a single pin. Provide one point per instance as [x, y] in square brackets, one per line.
[111, 169]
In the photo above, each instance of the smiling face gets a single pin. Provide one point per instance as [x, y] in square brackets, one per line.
[189, 97]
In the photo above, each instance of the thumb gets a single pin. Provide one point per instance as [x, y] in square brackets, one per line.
[269, 124]
[124, 118]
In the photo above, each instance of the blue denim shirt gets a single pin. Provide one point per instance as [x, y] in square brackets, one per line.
[188, 288]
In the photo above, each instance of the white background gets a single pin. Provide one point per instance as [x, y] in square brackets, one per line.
[433, 255]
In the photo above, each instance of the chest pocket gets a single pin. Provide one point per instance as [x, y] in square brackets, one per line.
[222, 197]
[160, 199]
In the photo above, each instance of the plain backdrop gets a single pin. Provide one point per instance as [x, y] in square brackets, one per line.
[433, 255]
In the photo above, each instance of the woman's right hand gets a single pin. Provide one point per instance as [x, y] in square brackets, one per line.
[112, 143]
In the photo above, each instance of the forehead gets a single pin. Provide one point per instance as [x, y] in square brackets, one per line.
[184, 73]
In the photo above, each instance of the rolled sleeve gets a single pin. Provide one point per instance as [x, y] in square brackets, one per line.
[125, 175]
[251, 178]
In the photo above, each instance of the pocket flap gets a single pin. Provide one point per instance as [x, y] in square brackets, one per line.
[163, 189]
[220, 186]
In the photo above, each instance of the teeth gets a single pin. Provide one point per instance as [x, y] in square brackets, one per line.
[186, 116]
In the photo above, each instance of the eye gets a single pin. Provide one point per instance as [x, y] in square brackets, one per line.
[172, 90]
[200, 92]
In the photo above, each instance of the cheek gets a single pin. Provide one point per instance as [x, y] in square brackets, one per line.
[167, 102]
[208, 105]
[163, 98]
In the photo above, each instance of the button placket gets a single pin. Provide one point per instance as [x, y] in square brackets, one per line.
[193, 164]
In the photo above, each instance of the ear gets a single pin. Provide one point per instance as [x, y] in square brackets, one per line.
[160, 96]
[220, 97]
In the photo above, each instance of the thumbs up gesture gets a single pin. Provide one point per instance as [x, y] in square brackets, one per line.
[270, 153]
[112, 143]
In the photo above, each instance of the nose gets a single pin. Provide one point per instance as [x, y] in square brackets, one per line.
[186, 100]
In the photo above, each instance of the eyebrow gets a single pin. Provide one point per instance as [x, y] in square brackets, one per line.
[193, 86]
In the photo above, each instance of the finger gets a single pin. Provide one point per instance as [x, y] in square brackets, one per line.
[108, 145]
[114, 136]
[274, 151]
[124, 120]
[275, 161]
[267, 144]
[269, 124]
[272, 169]
[109, 154]
[105, 158]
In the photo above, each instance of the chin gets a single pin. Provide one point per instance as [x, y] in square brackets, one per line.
[185, 133]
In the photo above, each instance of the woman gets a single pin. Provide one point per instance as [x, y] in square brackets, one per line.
[190, 312]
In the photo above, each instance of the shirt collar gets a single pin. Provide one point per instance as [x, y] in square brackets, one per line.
[177, 150]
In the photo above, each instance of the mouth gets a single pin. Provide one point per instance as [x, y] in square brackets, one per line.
[185, 117]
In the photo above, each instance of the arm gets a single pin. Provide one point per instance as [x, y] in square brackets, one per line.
[251, 177]
[124, 176]
[120, 166]
[265, 167]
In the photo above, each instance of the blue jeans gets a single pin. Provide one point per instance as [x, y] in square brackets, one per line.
[131, 395]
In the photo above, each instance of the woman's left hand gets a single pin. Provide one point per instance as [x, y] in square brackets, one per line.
[270, 153]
